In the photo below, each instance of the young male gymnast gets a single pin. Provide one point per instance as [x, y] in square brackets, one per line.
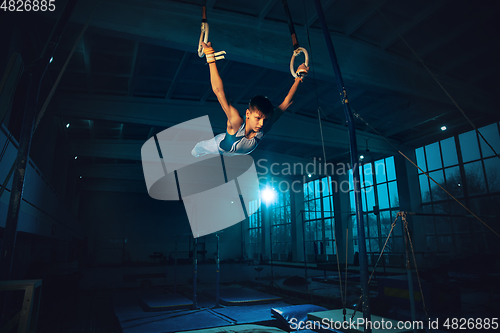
[242, 135]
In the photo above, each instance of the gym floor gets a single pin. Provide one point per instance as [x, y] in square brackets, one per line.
[95, 310]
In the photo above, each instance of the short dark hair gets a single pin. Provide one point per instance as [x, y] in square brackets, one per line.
[262, 104]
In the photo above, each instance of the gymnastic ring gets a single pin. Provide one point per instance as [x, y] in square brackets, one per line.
[203, 38]
[298, 51]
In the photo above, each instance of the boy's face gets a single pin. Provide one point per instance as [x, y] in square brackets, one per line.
[255, 119]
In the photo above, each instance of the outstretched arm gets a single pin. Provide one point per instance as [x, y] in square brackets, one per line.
[233, 117]
[289, 97]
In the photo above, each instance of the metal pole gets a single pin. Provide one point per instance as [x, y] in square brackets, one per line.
[217, 269]
[271, 248]
[304, 245]
[363, 260]
[409, 274]
[175, 267]
[195, 272]
[36, 72]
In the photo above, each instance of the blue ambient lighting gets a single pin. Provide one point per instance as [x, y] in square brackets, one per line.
[268, 195]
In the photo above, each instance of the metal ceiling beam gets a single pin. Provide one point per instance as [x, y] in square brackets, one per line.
[363, 16]
[180, 67]
[91, 129]
[210, 4]
[97, 73]
[111, 171]
[119, 149]
[281, 91]
[130, 178]
[222, 69]
[120, 135]
[171, 24]
[464, 58]
[312, 97]
[250, 86]
[132, 70]
[164, 113]
[129, 171]
[267, 8]
[373, 109]
[423, 16]
[85, 44]
[150, 133]
[314, 17]
[478, 76]
[453, 34]
[112, 185]
[418, 116]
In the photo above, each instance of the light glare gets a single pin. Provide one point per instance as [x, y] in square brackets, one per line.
[268, 195]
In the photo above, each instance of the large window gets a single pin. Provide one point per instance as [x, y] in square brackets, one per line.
[467, 168]
[319, 223]
[254, 230]
[380, 202]
[281, 227]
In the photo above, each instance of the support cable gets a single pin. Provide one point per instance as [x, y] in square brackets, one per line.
[406, 230]
[376, 264]
[440, 85]
[343, 299]
[346, 257]
[331, 210]
[204, 29]
[296, 47]
[405, 223]
[439, 185]
[363, 260]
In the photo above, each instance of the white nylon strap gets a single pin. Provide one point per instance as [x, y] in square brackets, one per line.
[219, 55]
[215, 56]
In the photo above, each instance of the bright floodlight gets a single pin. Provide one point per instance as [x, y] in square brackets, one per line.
[443, 128]
[268, 195]
[361, 157]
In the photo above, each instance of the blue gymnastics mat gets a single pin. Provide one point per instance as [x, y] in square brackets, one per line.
[250, 314]
[163, 301]
[240, 328]
[173, 321]
[133, 319]
[243, 296]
